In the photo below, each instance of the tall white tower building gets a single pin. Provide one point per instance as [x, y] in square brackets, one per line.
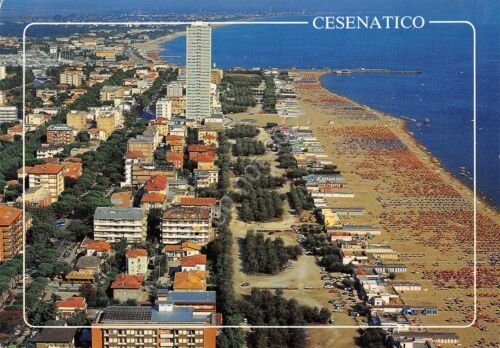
[198, 70]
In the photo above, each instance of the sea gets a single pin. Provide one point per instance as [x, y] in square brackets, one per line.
[442, 94]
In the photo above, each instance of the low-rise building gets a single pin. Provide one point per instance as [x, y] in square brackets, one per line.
[137, 261]
[89, 264]
[177, 251]
[152, 200]
[205, 178]
[122, 199]
[190, 281]
[127, 287]
[97, 248]
[156, 184]
[194, 263]
[66, 308]
[51, 337]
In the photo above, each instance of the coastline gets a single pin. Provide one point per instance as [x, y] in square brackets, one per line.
[424, 212]
[155, 46]
[481, 197]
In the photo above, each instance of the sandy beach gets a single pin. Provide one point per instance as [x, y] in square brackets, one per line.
[425, 214]
[151, 49]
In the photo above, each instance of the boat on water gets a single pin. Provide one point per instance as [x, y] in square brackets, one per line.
[427, 120]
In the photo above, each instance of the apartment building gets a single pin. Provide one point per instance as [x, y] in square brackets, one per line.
[77, 120]
[164, 108]
[60, 135]
[175, 89]
[11, 232]
[206, 177]
[176, 158]
[196, 151]
[178, 105]
[110, 93]
[8, 114]
[113, 223]
[163, 325]
[161, 124]
[71, 77]
[142, 144]
[181, 224]
[50, 176]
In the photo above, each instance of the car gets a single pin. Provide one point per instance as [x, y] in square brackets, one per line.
[244, 285]
[332, 291]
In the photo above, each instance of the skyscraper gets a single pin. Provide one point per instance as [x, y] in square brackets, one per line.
[198, 64]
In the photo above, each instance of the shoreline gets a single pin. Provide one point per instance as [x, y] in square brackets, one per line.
[481, 197]
[155, 46]
[425, 212]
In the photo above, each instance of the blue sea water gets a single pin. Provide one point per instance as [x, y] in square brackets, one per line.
[443, 92]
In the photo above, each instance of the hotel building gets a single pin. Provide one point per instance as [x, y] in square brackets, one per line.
[181, 224]
[112, 224]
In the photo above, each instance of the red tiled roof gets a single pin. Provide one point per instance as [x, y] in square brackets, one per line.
[72, 302]
[47, 168]
[175, 140]
[100, 246]
[171, 248]
[199, 201]
[133, 253]
[153, 197]
[156, 183]
[206, 157]
[191, 245]
[193, 280]
[8, 215]
[174, 156]
[201, 148]
[159, 121]
[192, 261]
[122, 199]
[134, 154]
[6, 137]
[127, 281]
[182, 213]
